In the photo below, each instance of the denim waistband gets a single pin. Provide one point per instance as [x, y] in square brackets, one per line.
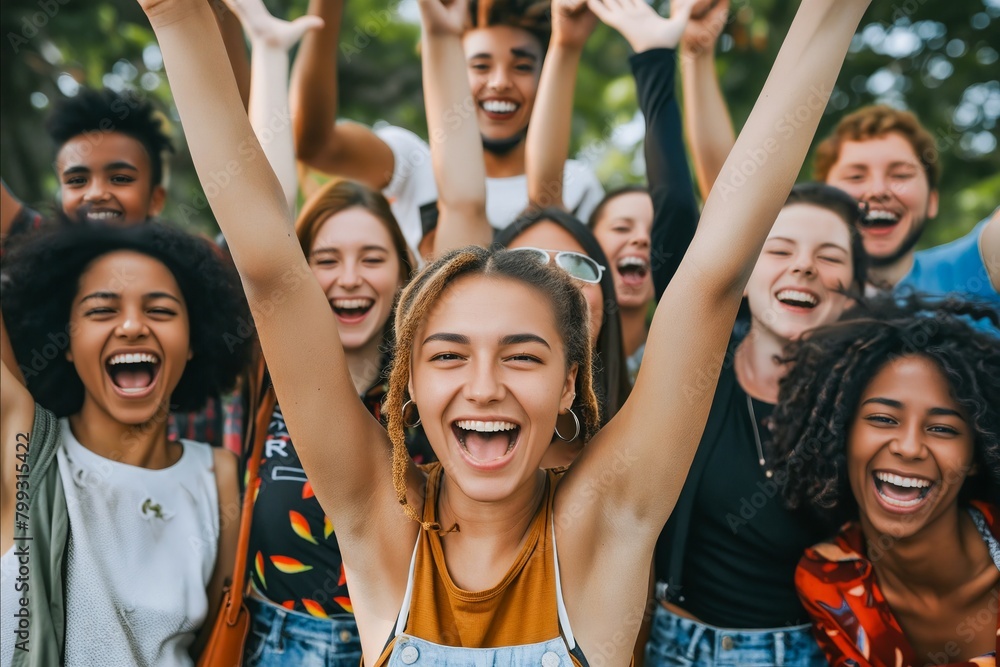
[342, 629]
[708, 644]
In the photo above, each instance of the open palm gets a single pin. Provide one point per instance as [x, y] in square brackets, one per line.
[444, 17]
[640, 25]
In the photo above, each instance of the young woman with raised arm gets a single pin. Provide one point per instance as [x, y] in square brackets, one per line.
[491, 348]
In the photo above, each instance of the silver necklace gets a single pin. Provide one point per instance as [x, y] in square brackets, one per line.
[756, 437]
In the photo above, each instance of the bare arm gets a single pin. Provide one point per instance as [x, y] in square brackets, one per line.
[989, 245]
[345, 149]
[236, 48]
[17, 416]
[547, 143]
[650, 443]
[271, 39]
[707, 124]
[226, 479]
[456, 148]
[297, 329]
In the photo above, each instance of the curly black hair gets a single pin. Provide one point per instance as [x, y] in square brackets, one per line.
[92, 110]
[40, 282]
[832, 365]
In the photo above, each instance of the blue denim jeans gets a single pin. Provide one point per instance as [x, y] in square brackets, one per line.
[281, 637]
[675, 641]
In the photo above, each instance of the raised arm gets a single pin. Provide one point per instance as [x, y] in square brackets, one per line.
[706, 117]
[297, 329]
[654, 65]
[650, 443]
[989, 245]
[547, 143]
[271, 39]
[350, 150]
[17, 413]
[236, 48]
[456, 147]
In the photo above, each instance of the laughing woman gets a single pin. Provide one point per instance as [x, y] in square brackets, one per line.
[891, 421]
[130, 535]
[491, 346]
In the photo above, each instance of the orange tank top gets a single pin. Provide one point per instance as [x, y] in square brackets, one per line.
[524, 608]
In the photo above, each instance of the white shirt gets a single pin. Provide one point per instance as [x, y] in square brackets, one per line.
[142, 550]
[412, 187]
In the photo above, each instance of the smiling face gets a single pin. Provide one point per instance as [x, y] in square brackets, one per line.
[354, 261]
[106, 177]
[129, 336]
[554, 238]
[910, 448]
[805, 261]
[489, 375]
[504, 65]
[623, 231]
[885, 174]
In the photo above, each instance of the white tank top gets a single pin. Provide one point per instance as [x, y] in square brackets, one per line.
[142, 549]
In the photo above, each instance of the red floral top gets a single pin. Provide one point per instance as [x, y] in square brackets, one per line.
[852, 620]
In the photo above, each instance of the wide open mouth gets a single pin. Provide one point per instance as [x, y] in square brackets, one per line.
[797, 298]
[352, 310]
[879, 219]
[133, 373]
[499, 109]
[901, 492]
[633, 270]
[486, 441]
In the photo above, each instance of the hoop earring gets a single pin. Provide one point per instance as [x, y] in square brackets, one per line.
[403, 412]
[576, 422]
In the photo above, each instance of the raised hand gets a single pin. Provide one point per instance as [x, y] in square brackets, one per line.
[572, 23]
[640, 25]
[444, 17]
[703, 30]
[265, 30]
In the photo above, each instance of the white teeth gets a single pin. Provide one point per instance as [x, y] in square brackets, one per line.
[499, 106]
[484, 427]
[351, 304]
[137, 358]
[796, 295]
[103, 215]
[904, 482]
[882, 215]
[632, 261]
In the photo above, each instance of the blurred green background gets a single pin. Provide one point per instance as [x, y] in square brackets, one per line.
[939, 59]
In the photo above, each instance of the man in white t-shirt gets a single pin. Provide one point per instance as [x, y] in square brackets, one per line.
[504, 64]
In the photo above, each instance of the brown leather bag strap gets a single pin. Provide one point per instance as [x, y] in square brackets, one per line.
[263, 417]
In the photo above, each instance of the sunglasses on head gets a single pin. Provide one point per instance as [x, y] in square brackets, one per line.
[575, 264]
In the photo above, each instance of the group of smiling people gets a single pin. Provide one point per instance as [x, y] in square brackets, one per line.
[468, 443]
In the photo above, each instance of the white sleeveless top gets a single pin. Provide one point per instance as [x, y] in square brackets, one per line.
[142, 549]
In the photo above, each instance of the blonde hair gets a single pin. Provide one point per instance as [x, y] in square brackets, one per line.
[425, 291]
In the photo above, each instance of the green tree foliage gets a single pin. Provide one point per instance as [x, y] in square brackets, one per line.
[937, 58]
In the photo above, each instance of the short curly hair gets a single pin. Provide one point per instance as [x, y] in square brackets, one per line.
[92, 110]
[40, 282]
[874, 122]
[832, 366]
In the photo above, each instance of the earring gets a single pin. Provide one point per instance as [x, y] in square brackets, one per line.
[409, 401]
[576, 422]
